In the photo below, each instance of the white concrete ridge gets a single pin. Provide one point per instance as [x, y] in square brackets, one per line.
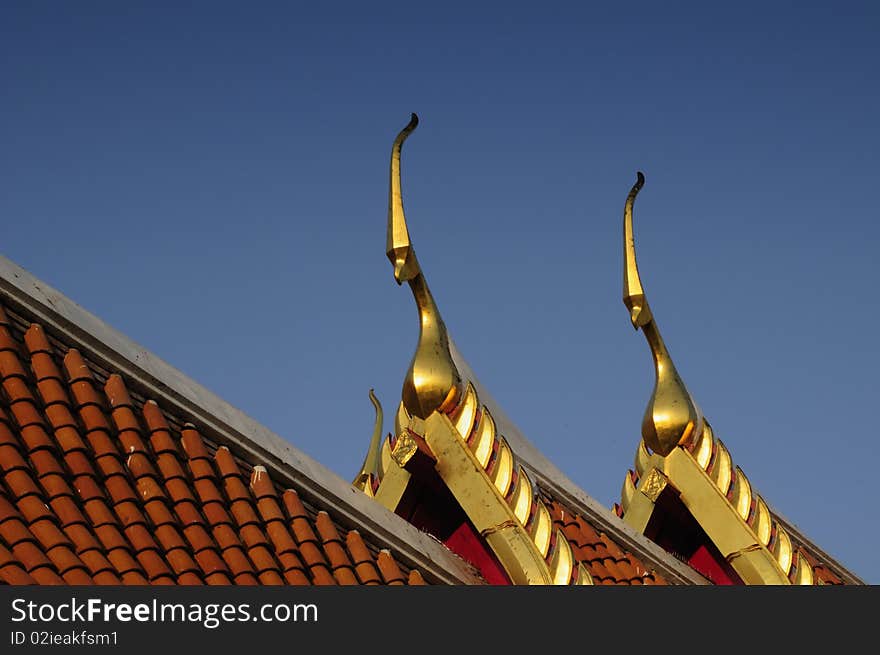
[227, 425]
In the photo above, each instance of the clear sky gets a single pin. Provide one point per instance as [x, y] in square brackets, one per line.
[211, 179]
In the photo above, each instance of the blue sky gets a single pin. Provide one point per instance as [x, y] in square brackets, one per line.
[211, 179]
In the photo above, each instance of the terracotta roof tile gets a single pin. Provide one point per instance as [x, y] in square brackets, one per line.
[44, 575]
[134, 578]
[20, 483]
[124, 563]
[82, 538]
[30, 555]
[180, 560]
[33, 508]
[106, 578]
[210, 561]
[78, 463]
[45, 463]
[218, 579]
[98, 486]
[391, 573]
[415, 578]
[14, 531]
[88, 488]
[63, 558]
[10, 457]
[153, 564]
[11, 570]
[280, 537]
[198, 538]
[366, 570]
[111, 538]
[48, 534]
[55, 484]
[606, 561]
[270, 578]
[97, 564]
[180, 491]
[336, 553]
[237, 561]
[169, 467]
[189, 578]
[140, 537]
[296, 576]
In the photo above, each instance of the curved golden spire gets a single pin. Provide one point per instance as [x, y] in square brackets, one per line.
[432, 382]
[370, 468]
[672, 417]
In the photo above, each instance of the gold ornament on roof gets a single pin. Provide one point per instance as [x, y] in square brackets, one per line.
[371, 471]
[672, 417]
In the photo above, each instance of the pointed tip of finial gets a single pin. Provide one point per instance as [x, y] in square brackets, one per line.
[633, 293]
[406, 131]
[640, 182]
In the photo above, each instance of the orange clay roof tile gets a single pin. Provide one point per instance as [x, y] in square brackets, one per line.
[237, 561]
[88, 488]
[180, 491]
[124, 563]
[30, 555]
[336, 553]
[152, 563]
[389, 569]
[189, 578]
[63, 558]
[55, 485]
[169, 466]
[45, 575]
[366, 571]
[10, 457]
[281, 539]
[226, 536]
[48, 534]
[415, 578]
[11, 570]
[218, 579]
[14, 531]
[606, 561]
[78, 463]
[270, 578]
[210, 561]
[33, 508]
[45, 462]
[296, 576]
[198, 537]
[243, 513]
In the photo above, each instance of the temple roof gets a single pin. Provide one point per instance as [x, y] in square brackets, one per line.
[116, 468]
[686, 493]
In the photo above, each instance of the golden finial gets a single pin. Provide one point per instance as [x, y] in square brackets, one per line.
[370, 468]
[672, 417]
[432, 382]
